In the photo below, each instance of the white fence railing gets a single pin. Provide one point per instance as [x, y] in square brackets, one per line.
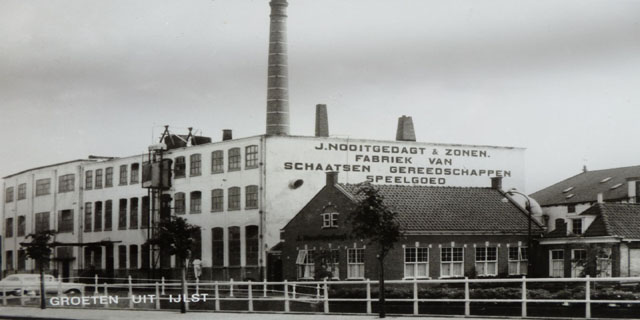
[318, 293]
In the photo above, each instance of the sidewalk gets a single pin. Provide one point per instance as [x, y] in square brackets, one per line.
[102, 314]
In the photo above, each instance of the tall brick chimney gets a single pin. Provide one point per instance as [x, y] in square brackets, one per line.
[322, 122]
[405, 130]
[278, 82]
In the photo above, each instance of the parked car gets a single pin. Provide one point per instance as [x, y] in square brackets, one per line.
[29, 283]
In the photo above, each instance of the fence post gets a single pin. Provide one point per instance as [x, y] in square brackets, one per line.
[59, 285]
[184, 295]
[467, 302]
[157, 296]
[293, 291]
[415, 296]
[231, 287]
[197, 285]
[317, 291]
[587, 292]
[264, 288]
[368, 296]
[82, 298]
[22, 291]
[326, 297]
[163, 286]
[130, 294]
[4, 296]
[217, 295]
[106, 294]
[95, 280]
[524, 297]
[250, 296]
[286, 296]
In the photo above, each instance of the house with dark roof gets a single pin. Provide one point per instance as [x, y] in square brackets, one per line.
[609, 246]
[448, 232]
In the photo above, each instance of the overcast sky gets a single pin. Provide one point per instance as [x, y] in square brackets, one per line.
[560, 78]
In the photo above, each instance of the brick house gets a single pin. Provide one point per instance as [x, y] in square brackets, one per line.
[448, 232]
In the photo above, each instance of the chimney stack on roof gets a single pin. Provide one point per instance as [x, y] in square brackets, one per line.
[227, 134]
[322, 121]
[600, 198]
[405, 130]
[496, 183]
[332, 178]
[632, 189]
[278, 82]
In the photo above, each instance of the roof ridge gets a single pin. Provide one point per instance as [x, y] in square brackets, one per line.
[415, 186]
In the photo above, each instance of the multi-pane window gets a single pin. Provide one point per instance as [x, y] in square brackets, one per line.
[217, 246]
[108, 215]
[65, 221]
[9, 263]
[122, 256]
[122, 214]
[576, 226]
[518, 260]
[42, 221]
[178, 203]
[234, 159]
[578, 262]
[135, 173]
[571, 208]
[234, 246]
[145, 256]
[43, 187]
[556, 261]
[108, 177]
[98, 178]
[88, 213]
[97, 219]
[133, 256]
[87, 257]
[22, 226]
[355, 263]
[451, 262]
[66, 183]
[195, 202]
[234, 198]
[8, 194]
[22, 191]
[252, 246]
[251, 156]
[217, 200]
[144, 213]
[179, 168]
[8, 228]
[330, 217]
[22, 259]
[603, 262]
[123, 174]
[133, 213]
[195, 165]
[217, 161]
[97, 257]
[251, 197]
[416, 262]
[306, 264]
[331, 263]
[487, 261]
[88, 180]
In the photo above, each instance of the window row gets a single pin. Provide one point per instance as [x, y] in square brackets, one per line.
[579, 260]
[9, 261]
[41, 223]
[234, 196]
[234, 244]
[132, 214]
[234, 160]
[66, 183]
[128, 174]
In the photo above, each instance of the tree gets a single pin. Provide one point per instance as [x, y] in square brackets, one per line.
[376, 222]
[39, 249]
[177, 237]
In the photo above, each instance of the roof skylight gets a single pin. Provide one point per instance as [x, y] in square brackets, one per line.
[569, 196]
[605, 179]
[567, 190]
[616, 186]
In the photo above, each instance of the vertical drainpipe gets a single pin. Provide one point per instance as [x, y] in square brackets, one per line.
[262, 261]
[33, 207]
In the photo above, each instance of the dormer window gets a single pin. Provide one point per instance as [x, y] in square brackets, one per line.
[330, 218]
[576, 226]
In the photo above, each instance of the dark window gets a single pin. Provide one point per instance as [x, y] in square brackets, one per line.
[122, 215]
[97, 219]
[576, 226]
[8, 194]
[133, 256]
[22, 191]
[217, 200]
[252, 246]
[195, 202]
[88, 211]
[22, 226]
[88, 180]
[135, 173]
[133, 213]
[66, 183]
[179, 168]
[234, 159]
[234, 246]
[144, 257]
[234, 198]
[217, 161]
[144, 213]
[108, 177]
[108, 215]
[218, 246]
[65, 221]
[122, 257]
[22, 259]
[42, 221]
[99, 179]
[251, 156]
[178, 203]
[43, 187]
[9, 255]
[196, 248]
[251, 197]
[97, 257]
[8, 228]
[123, 174]
[195, 165]
[571, 208]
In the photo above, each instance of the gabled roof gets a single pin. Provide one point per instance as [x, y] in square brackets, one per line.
[585, 187]
[422, 208]
[614, 219]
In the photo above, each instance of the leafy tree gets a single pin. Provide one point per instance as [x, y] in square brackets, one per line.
[177, 237]
[39, 249]
[376, 222]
